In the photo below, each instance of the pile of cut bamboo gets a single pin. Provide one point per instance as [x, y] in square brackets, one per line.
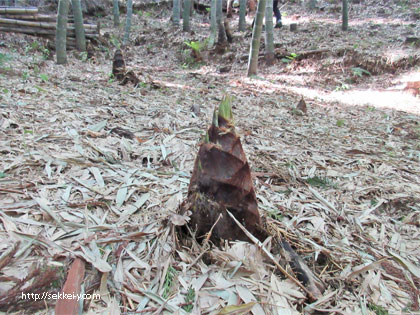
[29, 21]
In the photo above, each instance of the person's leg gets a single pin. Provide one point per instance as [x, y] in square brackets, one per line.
[277, 13]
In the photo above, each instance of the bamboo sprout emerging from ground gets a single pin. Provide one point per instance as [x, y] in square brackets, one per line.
[186, 16]
[78, 23]
[269, 38]
[116, 12]
[345, 24]
[128, 21]
[242, 13]
[176, 11]
[256, 36]
[61, 33]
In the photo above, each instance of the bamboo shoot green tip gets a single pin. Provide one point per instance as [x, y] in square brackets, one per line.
[225, 108]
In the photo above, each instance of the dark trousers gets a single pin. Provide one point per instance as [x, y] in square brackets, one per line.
[276, 10]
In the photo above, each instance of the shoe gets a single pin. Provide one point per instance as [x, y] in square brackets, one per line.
[279, 24]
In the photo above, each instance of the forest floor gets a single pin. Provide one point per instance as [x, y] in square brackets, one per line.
[93, 169]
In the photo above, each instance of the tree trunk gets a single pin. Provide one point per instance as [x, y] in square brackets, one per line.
[256, 36]
[242, 13]
[116, 12]
[78, 24]
[221, 39]
[345, 24]
[176, 12]
[186, 16]
[213, 23]
[128, 21]
[61, 32]
[269, 38]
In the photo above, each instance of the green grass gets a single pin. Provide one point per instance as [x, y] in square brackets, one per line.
[189, 298]
[169, 281]
[320, 182]
[379, 310]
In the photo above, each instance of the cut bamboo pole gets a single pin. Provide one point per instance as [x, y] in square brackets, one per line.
[35, 17]
[17, 10]
[30, 17]
[43, 24]
[40, 31]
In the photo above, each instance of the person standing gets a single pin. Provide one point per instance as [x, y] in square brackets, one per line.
[276, 11]
[277, 14]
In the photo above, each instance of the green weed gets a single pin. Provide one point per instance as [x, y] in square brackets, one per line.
[4, 59]
[359, 72]
[320, 182]
[379, 310]
[340, 122]
[44, 77]
[290, 58]
[189, 298]
[196, 46]
[169, 281]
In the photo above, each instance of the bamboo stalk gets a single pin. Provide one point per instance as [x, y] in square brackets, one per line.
[30, 17]
[35, 17]
[43, 24]
[13, 10]
[38, 31]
